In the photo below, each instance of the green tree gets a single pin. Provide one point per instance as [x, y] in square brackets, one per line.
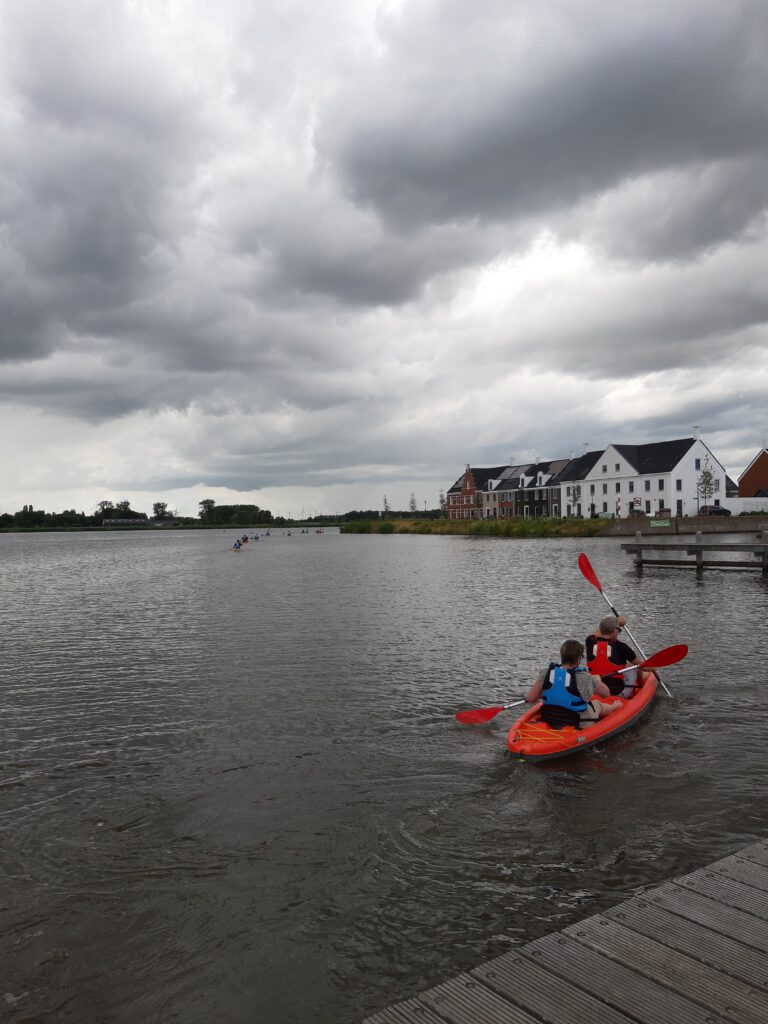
[123, 506]
[412, 504]
[206, 510]
[705, 485]
[442, 502]
[387, 508]
[160, 510]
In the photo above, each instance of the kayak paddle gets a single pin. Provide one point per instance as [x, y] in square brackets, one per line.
[666, 656]
[591, 577]
[480, 715]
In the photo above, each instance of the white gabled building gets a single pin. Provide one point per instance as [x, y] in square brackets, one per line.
[652, 479]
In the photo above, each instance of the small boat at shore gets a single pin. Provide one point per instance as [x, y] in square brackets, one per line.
[534, 740]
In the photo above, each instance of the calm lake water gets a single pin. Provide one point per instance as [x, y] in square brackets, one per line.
[232, 790]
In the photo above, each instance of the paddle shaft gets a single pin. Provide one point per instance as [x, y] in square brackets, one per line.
[637, 645]
[478, 716]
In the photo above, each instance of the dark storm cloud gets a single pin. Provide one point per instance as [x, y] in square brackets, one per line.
[562, 102]
[314, 235]
[94, 153]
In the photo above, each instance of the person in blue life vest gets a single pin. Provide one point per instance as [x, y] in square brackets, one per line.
[605, 645]
[567, 691]
[236, 546]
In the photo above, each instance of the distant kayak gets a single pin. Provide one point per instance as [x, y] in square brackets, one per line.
[534, 740]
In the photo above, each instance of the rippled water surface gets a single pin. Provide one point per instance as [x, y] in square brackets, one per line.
[232, 790]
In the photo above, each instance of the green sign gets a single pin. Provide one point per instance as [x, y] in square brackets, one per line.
[660, 522]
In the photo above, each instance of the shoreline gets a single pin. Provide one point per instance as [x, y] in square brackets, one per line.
[559, 527]
[513, 527]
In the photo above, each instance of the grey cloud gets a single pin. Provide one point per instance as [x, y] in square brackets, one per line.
[557, 121]
[678, 215]
[100, 143]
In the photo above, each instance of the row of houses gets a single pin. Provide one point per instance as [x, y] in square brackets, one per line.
[659, 479]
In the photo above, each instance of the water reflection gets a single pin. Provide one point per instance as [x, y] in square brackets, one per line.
[223, 772]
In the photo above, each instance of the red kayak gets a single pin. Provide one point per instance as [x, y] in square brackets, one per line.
[534, 740]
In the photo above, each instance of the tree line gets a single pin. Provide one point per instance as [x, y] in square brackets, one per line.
[120, 513]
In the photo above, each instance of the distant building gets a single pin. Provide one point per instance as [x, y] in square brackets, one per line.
[659, 478]
[465, 499]
[753, 482]
[652, 479]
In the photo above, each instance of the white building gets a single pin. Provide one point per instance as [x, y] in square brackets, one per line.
[651, 479]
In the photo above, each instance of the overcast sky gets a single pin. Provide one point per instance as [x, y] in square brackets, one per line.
[307, 253]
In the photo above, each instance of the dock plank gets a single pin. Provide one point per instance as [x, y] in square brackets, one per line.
[757, 853]
[552, 1000]
[410, 1011]
[706, 985]
[725, 890]
[685, 936]
[464, 1000]
[616, 984]
[746, 871]
[725, 920]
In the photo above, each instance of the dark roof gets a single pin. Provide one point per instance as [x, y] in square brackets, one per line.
[481, 474]
[553, 466]
[731, 485]
[578, 468]
[659, 457]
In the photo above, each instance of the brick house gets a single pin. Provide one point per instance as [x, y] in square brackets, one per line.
[753, 482]
[465, 497]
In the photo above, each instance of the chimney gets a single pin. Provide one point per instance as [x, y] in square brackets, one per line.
[696, 431]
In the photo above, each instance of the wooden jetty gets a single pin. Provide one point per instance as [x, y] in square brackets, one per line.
[692, 951]
[701, 553]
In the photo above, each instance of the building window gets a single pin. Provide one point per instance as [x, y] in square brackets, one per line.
[697, 464]
[631, 487]
[717, 483]
[647, 485]
[605, 469]
[618, 467]
[605, 488]
[605, 506]
[679, 506]
[568, 490]
[678, 485]
[648, 506]
[618, 487]
[661, 485]
[591, 488]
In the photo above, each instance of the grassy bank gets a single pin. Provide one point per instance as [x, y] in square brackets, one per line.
[481, 527]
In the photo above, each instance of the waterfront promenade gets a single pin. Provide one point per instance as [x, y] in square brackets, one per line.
[692, 951]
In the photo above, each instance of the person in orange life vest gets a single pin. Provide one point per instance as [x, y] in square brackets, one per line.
[605, 645]
[567, 691]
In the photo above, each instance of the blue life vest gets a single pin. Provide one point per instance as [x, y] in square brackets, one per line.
[562, 704]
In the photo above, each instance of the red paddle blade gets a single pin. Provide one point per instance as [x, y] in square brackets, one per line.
[478, 715]
[667, 656]
[588, 572]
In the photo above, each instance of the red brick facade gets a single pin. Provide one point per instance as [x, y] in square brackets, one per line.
[755, 476]
[464, 504]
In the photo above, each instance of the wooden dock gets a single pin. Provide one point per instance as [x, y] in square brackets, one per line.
[692, 951]
[701, 553]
